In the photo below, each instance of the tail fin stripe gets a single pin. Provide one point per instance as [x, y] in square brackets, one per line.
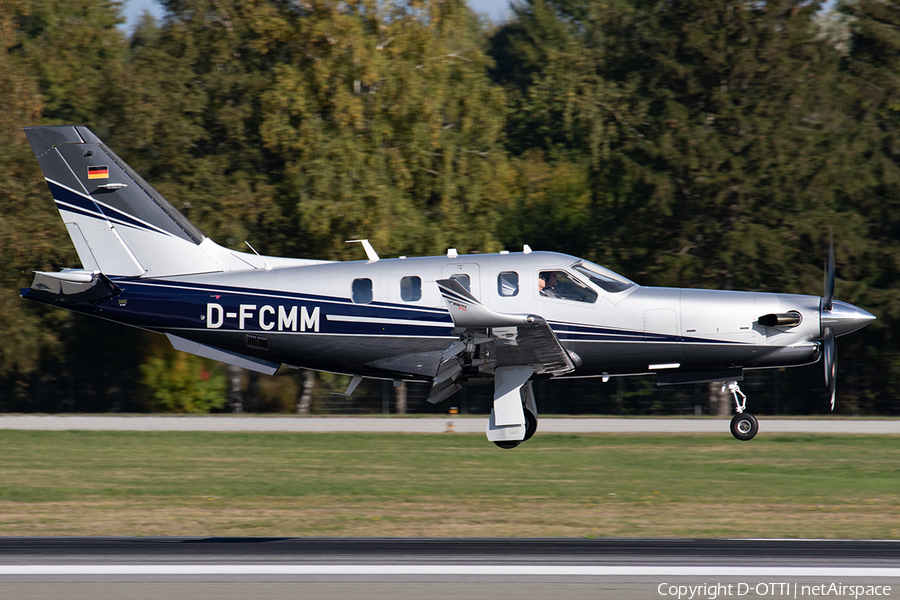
[97, 209]
[63, 206]
[74, 197]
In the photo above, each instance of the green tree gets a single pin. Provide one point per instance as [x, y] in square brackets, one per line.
[30, 230]
[735, 184]
[567, 115]
[388, 124]
[76, 51]
[866, 34]
[712, 139]
[192, 127]
[182, 383]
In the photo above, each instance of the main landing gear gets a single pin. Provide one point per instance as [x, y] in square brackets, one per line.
[744, 425]
[530, 427]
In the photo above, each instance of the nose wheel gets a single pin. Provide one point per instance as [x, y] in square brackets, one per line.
[744, 425]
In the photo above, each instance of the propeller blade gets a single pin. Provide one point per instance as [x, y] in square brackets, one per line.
[828, 298]
[829, 357]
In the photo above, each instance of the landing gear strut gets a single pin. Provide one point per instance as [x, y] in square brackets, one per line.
[530, 414]
[744, 425]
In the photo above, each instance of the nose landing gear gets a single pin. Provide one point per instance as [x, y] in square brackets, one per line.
[744, 425]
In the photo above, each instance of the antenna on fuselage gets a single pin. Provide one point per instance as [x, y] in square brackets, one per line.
[268, 267]
[370, 251]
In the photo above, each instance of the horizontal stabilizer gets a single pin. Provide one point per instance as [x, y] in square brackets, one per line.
[72, 286]
[230, 358]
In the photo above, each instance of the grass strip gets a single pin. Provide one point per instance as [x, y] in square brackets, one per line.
[332, 484]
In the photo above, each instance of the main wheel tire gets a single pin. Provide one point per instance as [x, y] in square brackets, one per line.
[744, 426]
[508, 445]
[531, 423]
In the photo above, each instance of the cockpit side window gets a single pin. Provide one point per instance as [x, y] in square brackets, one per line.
[560, 284]
[603, 278]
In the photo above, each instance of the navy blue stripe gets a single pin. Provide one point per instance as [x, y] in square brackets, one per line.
[70, 197]
[77, 210]
[192, 302]
[97, 210]
[361, 309]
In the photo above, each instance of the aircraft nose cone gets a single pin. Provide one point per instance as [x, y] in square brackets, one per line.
[845, 318]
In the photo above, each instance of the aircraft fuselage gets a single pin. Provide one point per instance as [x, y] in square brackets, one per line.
[387, 318]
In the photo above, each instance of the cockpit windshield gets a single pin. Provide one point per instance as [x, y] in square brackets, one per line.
[603, 277]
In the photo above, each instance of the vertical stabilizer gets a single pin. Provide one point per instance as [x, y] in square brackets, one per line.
[118, 223]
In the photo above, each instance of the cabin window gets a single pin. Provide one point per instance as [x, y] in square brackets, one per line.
[559, 284]
[463, 280]
[508, 283]
[411, 289]
[362, 291]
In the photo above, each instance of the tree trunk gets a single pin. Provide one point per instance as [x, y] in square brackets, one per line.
[305, 400]
[720, 403]
[251, 397]
[236, 391]
[400, 398]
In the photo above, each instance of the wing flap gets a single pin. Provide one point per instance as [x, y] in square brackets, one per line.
[518, 339]
[535, 345]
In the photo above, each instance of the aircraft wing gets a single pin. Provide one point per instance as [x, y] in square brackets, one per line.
[502, 340]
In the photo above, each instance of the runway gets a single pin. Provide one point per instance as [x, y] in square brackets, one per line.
[175, 568]
[418, 424]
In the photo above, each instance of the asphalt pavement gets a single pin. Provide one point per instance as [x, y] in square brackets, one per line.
[403, 568]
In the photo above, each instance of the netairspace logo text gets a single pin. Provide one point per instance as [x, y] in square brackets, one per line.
[787, 590]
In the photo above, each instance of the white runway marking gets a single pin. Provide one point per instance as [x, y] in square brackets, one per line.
[449, 570]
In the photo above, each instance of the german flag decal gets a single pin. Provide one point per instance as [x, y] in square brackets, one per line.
[98, 172]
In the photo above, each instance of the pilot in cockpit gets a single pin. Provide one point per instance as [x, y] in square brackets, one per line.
[547, 284]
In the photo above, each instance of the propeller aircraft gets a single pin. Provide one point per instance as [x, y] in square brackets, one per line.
[511, 317]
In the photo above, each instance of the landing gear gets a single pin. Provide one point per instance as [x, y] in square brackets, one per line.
[509, 445]
[744, 425]
[530, 424]
[530, 427]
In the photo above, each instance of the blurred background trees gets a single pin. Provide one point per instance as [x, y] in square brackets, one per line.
[698, 143]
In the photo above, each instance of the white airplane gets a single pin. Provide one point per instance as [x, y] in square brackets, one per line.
[510, 317]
